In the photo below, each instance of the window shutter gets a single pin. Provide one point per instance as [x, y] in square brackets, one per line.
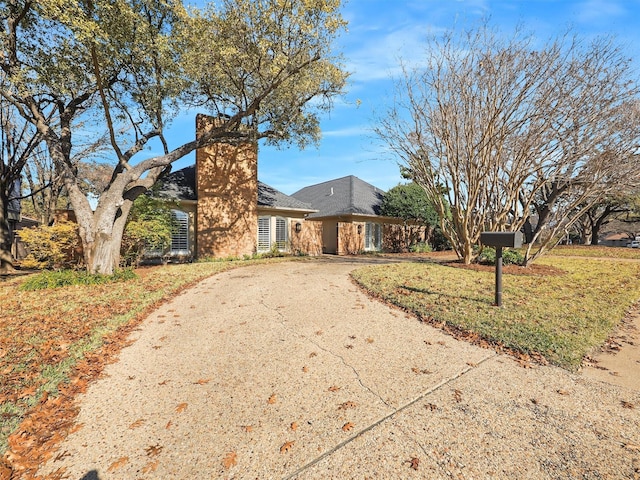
[281, 233]
[180, 236]
[264, 234]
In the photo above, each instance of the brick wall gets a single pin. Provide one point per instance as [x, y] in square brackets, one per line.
[227, 190]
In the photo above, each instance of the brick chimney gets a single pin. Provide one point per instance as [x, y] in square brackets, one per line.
[227, 192]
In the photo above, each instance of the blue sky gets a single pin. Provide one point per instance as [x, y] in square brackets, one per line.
[380, 32]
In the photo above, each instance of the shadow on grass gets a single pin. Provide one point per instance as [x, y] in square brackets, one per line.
[425, 291]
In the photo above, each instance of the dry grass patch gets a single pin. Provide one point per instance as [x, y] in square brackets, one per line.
[562, 316]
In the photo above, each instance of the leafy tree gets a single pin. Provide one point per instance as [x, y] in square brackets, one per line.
[264, 68]
[411, 203]
[511, 129]
[150, 225]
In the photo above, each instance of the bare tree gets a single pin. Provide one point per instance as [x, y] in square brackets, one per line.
[18, 141]
[517, 134]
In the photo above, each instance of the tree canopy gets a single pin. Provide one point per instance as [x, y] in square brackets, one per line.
[519, 134]
[265, 68]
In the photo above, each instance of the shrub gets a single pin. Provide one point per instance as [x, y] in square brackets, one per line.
[421, 247]
[509, 257]
[51, 247]
[65, 278]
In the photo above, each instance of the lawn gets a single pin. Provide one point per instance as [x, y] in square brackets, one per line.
[53, 341]
[561, 314]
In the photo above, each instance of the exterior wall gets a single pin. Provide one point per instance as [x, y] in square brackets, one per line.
[350, 242]
[227, 191]
[307, 241]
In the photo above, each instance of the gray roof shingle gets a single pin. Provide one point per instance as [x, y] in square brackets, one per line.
[181, 185]
[343, 196]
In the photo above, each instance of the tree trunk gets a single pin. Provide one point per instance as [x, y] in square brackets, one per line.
[6, 259]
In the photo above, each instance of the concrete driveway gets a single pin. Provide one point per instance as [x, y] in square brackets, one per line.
[288, 371]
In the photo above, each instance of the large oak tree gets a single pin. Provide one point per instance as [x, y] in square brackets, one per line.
[264, 68]
[519, 134]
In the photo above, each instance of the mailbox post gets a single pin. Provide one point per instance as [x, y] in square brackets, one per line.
[500, 240]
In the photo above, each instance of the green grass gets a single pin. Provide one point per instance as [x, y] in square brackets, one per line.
[562, 317]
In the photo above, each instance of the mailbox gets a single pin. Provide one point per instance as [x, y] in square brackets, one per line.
[501, 239]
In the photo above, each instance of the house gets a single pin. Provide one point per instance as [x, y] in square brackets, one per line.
[224, 211]
[349, 211]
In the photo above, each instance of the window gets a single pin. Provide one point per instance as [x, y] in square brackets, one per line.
[372, 236]
[180, 236]
[272, 231]
[281, 233]
[264, 234]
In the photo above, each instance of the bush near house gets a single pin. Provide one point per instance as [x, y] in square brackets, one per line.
[51, 247]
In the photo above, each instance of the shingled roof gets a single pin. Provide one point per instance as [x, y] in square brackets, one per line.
[342, 196]
[181, 185]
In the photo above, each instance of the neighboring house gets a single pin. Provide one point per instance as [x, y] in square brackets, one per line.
[224, 211]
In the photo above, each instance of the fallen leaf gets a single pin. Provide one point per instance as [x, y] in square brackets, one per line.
[457, 395]
[627, 404]
[562, 392]
[348, 426]
[414, 462]
[168, 425]
[346, 405]
[230, 460]
[305, 369]
[313, 354]
[164, 382]
[121, 462]
[334, 388]
[369, 340]
[286, 447]
[182, 407]
[272, 399]
[150, 467]
[136, 424]
[153, 450]
[294, 426]
[248, 428]
[203, 381]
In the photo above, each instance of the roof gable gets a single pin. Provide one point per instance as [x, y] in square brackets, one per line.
[343, 196]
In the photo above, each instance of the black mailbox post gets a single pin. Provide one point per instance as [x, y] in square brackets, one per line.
[500, 240]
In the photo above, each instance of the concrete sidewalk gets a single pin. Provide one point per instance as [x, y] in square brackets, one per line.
[288, 371]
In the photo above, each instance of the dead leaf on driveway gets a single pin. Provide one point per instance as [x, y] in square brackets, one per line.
[121, 462]
[153, 450]
[286, 447]
[230, 460]
[272, 399]
[182, 407]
